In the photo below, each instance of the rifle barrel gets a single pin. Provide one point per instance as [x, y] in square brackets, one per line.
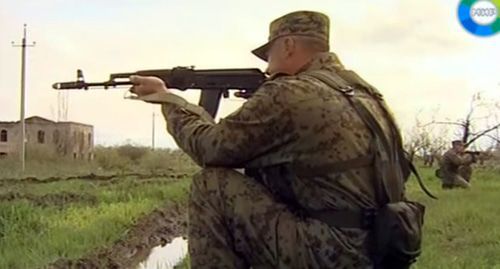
[78, 85]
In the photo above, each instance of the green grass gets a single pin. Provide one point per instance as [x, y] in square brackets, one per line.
[121, 189]
[462, 228]
[10, 168]
[43, 162]
[184, 264]
[32, 236]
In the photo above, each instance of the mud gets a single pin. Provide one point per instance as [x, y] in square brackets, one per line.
[142, 181]
[170, 256]
[59, 200]
[92, 177]
[157, 228]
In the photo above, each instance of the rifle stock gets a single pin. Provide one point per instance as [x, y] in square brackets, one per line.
[214, 83]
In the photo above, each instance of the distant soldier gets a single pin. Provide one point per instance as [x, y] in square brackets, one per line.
[450, 164]
[428, 159]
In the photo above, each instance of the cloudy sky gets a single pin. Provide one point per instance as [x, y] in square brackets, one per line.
[415, 52]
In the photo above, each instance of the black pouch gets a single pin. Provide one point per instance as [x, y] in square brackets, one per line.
[398, 234]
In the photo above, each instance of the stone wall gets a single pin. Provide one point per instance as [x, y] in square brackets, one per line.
[9, 142]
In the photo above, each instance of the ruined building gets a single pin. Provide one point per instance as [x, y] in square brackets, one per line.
[72, 139]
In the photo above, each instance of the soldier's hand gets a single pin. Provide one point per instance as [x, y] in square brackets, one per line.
[147, 85]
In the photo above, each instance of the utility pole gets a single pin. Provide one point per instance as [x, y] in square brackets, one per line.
[153, 133]
[23, 46]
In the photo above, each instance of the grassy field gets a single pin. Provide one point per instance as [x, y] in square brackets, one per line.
[41, 222]
[32, 236]
[52, 217]
[462, 228]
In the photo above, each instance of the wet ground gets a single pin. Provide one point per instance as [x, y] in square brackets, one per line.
[52, 199]
[92, 177]
[166, 257]
[154, 240]
[158, 228]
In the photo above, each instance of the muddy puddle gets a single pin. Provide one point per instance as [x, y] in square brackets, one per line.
[140, 244]
[166, 257]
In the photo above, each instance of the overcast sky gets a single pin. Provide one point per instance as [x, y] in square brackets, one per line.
[415, 52]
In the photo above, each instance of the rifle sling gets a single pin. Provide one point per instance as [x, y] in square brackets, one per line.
[420, 182]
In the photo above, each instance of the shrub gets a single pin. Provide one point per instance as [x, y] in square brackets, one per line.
[109, 158]
[133, 153]
[158, 160]
[41, 153]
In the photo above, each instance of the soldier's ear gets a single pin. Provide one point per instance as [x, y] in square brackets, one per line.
[290, 45]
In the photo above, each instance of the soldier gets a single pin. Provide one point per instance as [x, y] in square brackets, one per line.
[450, 163]
[428, 159]
[287, 211]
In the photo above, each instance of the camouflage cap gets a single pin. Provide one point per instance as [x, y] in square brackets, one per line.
[299, 23]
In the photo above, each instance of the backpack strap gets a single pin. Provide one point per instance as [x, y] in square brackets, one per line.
[390, 154]
[380, 144]
[408, 167]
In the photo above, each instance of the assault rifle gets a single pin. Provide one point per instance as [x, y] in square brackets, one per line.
[214, 83]
[474, 154]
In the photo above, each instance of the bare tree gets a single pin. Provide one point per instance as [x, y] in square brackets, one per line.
[416, 140]
[481, 121]
[425, 141]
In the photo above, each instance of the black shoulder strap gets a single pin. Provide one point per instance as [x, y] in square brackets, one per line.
[355, 80]
[389, 152]
[385, 192]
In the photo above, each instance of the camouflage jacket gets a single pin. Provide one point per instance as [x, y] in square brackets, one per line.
[290, 119]
[451, 162]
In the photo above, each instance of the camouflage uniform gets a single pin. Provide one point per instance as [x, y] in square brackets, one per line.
[465, 171]
[450, 164]
[236, 221]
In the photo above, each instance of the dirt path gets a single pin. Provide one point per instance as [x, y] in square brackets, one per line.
[158, 227]
[59, 200]
[92, 177]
